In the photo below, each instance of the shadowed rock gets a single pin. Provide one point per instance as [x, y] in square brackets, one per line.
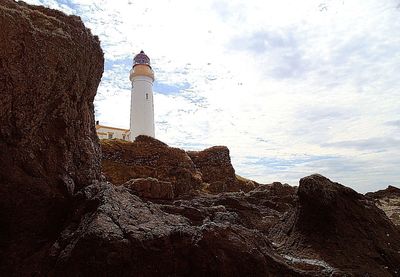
[341, 226]
[50, 68]
[119, 234]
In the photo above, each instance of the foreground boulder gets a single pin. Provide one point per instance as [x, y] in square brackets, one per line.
[50, 68]
[119, 234]
[342, 227]
[320, 229]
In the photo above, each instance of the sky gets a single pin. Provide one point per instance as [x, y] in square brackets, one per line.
[291, 87]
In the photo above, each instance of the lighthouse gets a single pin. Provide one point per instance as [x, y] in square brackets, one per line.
[142, 107]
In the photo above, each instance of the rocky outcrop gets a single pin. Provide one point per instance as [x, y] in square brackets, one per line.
[323, 229]
[119, 234]
[215, 165]
[389, 192]
[209, 170]
[388, 200]
[50, 68]
[343, 228]
[149, 157]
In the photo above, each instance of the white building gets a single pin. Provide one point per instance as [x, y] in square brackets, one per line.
[142, 107]
[107, 132]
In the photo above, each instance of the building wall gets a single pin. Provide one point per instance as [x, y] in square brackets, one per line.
[106, 132]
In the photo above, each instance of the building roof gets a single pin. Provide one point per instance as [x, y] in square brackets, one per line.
[98, 126]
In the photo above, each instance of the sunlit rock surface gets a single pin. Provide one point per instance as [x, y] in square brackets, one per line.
[209, 170]
[149, 157]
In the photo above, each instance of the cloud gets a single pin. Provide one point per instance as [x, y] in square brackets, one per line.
[395, 123]
[291, 87]
[280, 47]
[371, 144]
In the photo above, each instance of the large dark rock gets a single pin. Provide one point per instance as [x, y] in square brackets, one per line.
[50, 67]
[343, 228]
[118, 234]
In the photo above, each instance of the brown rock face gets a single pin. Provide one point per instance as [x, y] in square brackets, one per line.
[343, 228]
[217, 170]
[209, 170]
[50, 68]
[148, 157]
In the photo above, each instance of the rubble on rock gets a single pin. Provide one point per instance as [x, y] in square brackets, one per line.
[388, 200]
[150, 188]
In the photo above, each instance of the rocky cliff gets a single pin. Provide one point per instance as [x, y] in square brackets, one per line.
[147, 157]
[172, 169]
[163, 214]
[50, 67]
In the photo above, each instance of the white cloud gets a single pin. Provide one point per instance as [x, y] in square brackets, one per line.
[291, 87]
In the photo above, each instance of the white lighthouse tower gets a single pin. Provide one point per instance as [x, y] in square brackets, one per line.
[142, 107]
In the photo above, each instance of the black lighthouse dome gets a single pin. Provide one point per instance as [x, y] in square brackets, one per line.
[141, 58]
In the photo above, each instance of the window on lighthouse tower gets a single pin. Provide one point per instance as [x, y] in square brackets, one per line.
[147, 96]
